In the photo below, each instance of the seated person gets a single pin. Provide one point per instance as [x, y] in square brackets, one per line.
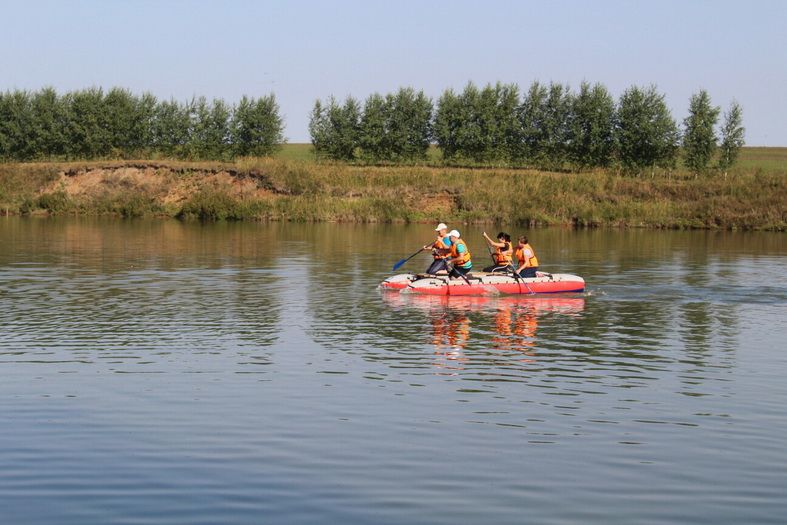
[526, 257]
[503, 255]
[441, 248]
[459, 257]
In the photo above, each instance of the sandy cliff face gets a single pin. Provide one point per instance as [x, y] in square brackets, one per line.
[166, 185]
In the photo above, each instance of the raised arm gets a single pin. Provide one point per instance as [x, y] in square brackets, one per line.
[491, 242]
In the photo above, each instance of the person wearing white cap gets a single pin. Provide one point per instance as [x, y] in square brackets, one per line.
[440, 250]
[460, 256]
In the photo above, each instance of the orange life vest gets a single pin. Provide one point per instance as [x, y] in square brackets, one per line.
[504, 257]
[440, 248]
[520, 255]
[464, 258]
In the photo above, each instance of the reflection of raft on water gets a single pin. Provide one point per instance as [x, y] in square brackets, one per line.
[539, 304]
[514, 319]
[485, 284]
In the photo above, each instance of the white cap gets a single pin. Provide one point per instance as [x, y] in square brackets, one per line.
[441, 226]
[454, 233]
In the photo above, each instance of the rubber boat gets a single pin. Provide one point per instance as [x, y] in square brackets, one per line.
[480, 283]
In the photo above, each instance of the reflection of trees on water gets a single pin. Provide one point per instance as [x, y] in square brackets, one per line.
[129, 290]
[638, 337]
[709, 337]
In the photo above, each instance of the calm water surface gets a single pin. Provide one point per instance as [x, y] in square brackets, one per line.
[160, 372]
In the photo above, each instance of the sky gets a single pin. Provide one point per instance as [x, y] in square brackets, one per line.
[304, 50]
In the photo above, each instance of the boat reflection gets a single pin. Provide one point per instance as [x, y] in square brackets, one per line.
[509, 323]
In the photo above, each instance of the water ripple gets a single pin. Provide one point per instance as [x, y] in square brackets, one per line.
[176, 373]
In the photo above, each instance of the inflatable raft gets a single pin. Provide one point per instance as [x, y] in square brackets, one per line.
[480, 283]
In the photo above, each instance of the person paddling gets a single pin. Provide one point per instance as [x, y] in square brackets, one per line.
[503, 254]
[526, 256]
[460, 256]
[441, 249]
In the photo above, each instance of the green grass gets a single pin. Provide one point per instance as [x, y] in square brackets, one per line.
[751, 158]
[305, 152]
[301, 152]
[772, 160]
[299, 189]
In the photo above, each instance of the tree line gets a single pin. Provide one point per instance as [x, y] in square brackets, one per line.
[89, 124]
[549, 126]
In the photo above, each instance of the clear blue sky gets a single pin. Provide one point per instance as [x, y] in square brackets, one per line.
[303, 50]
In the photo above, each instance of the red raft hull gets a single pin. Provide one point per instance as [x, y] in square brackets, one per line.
[486, 284]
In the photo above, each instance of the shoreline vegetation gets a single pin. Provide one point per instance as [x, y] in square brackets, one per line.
[292, 186]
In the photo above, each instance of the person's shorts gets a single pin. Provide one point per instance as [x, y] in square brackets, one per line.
[529, 272]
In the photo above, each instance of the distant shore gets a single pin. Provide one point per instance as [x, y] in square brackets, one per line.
[293, 188]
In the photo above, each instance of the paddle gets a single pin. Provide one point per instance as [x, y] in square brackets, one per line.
[491, 254]
[520, 279]
[402, 261]
[450, 267]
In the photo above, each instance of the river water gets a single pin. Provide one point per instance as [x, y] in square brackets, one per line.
[165, 372]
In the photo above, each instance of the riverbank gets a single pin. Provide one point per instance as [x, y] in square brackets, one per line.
[299, 190]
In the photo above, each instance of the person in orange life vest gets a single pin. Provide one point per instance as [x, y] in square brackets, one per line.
[441, 248]
[503, 254]
[459, 256]
[526, 257]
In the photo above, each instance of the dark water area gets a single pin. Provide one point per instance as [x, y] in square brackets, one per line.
[166, 372]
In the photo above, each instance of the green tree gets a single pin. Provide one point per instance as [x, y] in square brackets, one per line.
[531, 122]
[699, 137]
[47, 134]
[257, 128]
[481, 124]
[210, 137]
[319, 129]
[509, 134]
[86, 130]
[646, 133]
[142, 125]
[408, 128]
[374, 128]
[469, 142]
[592, 124]
[16, 122]
[477, 125]
[171, 128]
[335, 128]
[447, 124]
[117, 119]
[556, 126]
[732, 137]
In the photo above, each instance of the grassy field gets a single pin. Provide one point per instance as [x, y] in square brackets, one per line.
[751, 158]
[769, 160]
[305, 152]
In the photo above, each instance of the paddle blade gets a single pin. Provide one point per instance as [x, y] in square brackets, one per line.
[398, 264]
